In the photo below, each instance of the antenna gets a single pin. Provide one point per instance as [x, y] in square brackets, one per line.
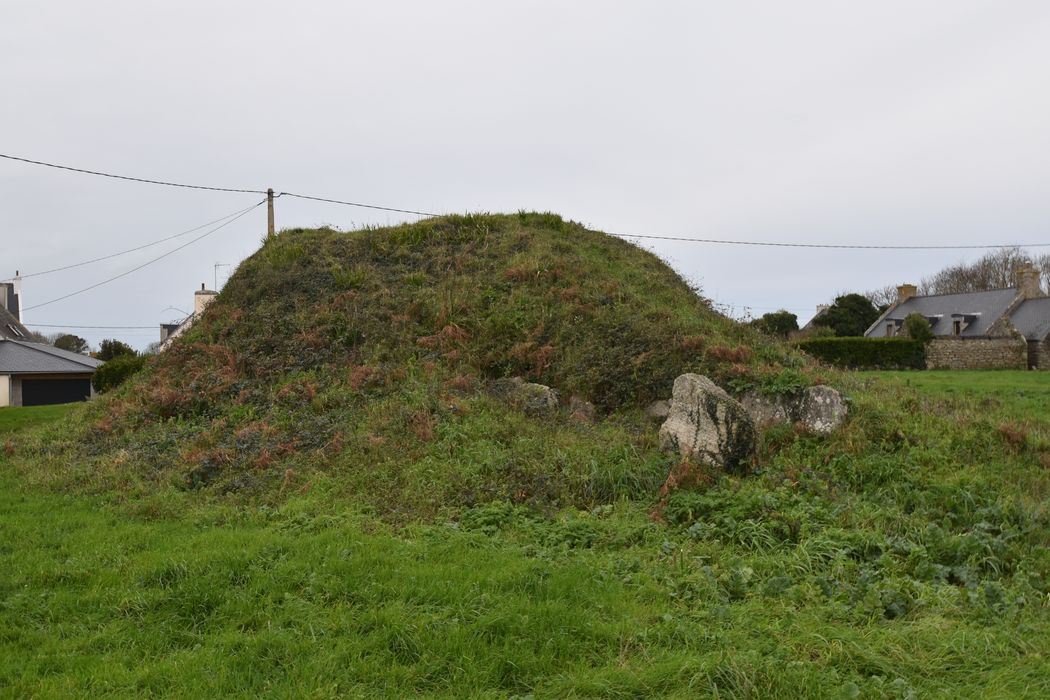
[216, 271]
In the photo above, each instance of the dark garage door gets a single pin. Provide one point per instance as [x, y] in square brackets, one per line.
[38, 392]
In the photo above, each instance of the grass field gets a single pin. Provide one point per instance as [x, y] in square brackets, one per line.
[16, 418]
[1019, 394]
[873, 596]
[319, 492]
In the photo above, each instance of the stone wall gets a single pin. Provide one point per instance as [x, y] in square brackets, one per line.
[1039, 354]
[977, 353]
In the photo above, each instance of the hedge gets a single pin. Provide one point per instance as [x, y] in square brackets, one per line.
[867, 353]
[114, 372]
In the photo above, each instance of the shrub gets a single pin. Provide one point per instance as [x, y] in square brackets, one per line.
[111, 348]
[917, 327]
[850, 315]
[867, 353]
[778, 323]
[115, 372]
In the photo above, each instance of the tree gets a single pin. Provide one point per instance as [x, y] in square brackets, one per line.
[917, 327]
[850, 315]
[993, 270]
[110, 348]
[883, 297]
[71, 343]
[778, 323]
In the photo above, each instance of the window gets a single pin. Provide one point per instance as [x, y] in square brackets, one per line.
[957, 327]
[889, 329]
[14, 331]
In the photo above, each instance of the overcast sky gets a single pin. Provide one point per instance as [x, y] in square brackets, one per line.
[813, 121]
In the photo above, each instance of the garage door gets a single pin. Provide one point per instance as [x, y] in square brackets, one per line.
[38, 392]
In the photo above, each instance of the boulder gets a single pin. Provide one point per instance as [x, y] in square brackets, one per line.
[822, 409]
[767, 410]
[532, 399]
[581, 410]
[706, 424]
[818, 409]
[658, 410]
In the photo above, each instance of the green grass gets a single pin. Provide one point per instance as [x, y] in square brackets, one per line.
[17, 417]
[314, 494]
[1018, 394]
[293, 602]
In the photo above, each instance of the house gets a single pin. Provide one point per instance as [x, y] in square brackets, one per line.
[170, 331]
[32, 373]
[995, 329]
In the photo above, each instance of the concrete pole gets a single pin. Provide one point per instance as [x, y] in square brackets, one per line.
[269, 213]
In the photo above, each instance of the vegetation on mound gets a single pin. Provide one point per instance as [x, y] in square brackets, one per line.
[338, 384]
[905, 556]
[367, 355]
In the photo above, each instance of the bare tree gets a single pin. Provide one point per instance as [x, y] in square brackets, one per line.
[882, 297]
[993, 270]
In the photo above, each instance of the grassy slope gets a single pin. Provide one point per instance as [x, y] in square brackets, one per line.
[12, 419]
[358, 363]
[905, 554]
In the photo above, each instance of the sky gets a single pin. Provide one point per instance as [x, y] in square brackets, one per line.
[817, 121]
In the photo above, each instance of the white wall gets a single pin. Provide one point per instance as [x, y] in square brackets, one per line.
[5, 390]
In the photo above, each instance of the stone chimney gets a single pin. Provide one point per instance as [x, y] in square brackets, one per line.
[11, 296]
[905, 292]
[202, 298]
[1027, 280]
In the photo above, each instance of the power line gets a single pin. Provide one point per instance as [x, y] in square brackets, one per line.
[357, 204]
[716, 241]
[130, 179]
[141, 247]
[844, 246]
[105, 328]
[149, 262]
[204, 187]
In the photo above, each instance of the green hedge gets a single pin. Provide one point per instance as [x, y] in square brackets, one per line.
[867, 353]
[114, 372]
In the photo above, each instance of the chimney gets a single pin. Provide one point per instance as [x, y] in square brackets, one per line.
[11, 296]
[202, 298]
[905, 292]
[1027, 281]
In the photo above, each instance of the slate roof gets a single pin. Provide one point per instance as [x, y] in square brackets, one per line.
[1032, 318]
[985, 307]
[20, 357]
[11, 327]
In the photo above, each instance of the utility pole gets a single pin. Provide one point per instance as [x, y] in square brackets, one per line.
[269, 213]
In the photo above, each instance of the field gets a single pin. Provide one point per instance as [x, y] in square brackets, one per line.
[12, 419]
[319, 491]
[103, 597]
[1016, 394]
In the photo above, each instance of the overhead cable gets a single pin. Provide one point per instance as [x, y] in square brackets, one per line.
[105, 328]
[149, 262]
[357, 204]
[141, 247]
[844, 246]
[716, 241]
[131, 179]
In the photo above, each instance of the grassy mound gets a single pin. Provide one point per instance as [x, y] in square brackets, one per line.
[365, 356]
[339, 384]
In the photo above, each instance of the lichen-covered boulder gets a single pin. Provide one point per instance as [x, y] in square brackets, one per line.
[818, 409]
[768, 410]
[531, 399]
[822, 409]
[706, 424]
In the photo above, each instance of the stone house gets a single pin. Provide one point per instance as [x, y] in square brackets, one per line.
[995, 329]
[170, 331]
